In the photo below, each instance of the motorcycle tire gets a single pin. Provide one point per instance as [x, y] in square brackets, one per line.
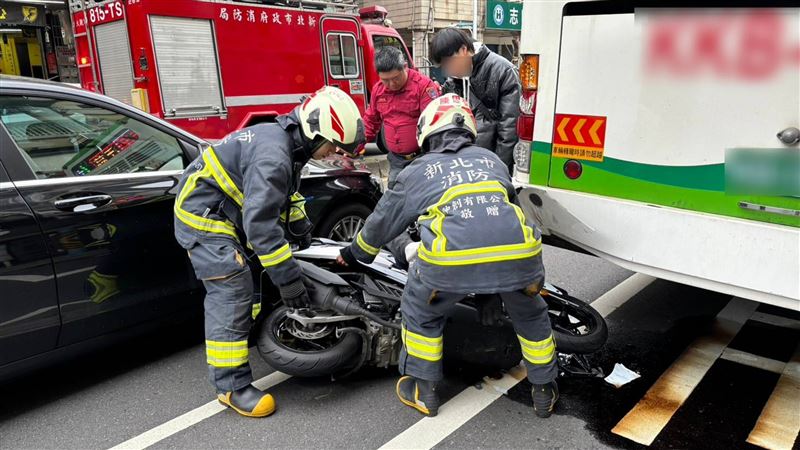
[340, 356]
[571, 342]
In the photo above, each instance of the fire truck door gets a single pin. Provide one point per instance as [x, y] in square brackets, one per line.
[114, 56]
[343, 63]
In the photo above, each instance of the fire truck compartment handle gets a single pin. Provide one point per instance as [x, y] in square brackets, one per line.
[188, 109]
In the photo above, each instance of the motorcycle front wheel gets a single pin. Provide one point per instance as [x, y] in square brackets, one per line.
[290, 348]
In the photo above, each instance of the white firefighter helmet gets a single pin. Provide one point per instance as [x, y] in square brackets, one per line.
[334, 116]
[445, 113]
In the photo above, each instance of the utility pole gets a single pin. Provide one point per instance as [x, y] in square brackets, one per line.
[475, 19]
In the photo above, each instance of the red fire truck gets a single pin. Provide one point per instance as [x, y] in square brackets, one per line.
[214, 66]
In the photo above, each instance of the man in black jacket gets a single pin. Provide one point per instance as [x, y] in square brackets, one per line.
[489, 82]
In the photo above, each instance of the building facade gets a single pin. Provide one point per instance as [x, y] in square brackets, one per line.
[36, 40]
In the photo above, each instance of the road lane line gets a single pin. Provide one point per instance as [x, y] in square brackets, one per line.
[749, 359]
[429, 431]
[621, 293]
[645, 421]
[771, 319]
[462, 407]
[779, 423]
[192, 417]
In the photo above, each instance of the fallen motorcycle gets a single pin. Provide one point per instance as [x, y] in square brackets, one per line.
[355, 317]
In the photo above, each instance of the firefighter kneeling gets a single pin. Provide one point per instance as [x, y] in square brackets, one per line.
[247, 185]
[475, 240]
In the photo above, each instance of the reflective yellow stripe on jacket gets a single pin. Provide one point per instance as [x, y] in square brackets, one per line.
[226, 354]
[278, 256]
[368, 249]
[297, 208]
[439, 255]
[256, 310]
[221, 177]
[193, 220]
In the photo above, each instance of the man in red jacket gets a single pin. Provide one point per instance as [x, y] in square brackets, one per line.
[396, 104]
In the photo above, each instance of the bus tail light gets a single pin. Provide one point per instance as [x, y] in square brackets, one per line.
[529, 72]
[529, 80]
[573, 169]
[527, 105]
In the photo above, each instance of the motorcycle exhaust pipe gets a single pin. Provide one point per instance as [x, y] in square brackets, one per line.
[322, 291]
[349, 307]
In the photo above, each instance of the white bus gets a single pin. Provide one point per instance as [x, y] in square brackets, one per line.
[665, 140]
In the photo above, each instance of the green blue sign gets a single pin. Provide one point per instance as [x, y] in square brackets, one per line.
[503, 15]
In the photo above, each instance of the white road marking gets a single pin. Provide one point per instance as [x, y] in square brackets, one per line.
[645, 421]
[779, 423]
[429, 431]
[749, 359]
[192, 417]
[771, 319]
[616, 297]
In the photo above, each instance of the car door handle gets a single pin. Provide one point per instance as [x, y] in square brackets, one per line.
[84, 203]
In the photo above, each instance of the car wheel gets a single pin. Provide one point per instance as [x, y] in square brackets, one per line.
[343, 223]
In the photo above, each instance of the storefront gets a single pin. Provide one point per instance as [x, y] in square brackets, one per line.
[36, 40]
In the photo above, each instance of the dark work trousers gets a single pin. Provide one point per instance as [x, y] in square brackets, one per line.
[220, 263]
[424, 313]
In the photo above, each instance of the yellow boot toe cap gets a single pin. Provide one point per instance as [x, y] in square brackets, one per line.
[263, 408]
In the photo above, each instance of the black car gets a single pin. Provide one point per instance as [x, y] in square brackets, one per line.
[87, 186]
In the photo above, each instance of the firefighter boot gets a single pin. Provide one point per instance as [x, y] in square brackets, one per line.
[249, 401]
[545, 397]
[419, 394]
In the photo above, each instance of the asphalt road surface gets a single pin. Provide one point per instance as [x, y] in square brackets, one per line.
[715, 372]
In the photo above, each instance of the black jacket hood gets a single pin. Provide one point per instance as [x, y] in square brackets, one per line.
[304, 147]
[479, 57]
[451, 140]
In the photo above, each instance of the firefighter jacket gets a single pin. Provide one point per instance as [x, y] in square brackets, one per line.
[246, 183]
[474, 238]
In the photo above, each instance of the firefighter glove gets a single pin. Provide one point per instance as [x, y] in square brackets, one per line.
[295, 295]
[347, 255]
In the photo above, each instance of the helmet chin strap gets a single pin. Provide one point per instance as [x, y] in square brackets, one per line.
[315, 144]
[304, 152]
